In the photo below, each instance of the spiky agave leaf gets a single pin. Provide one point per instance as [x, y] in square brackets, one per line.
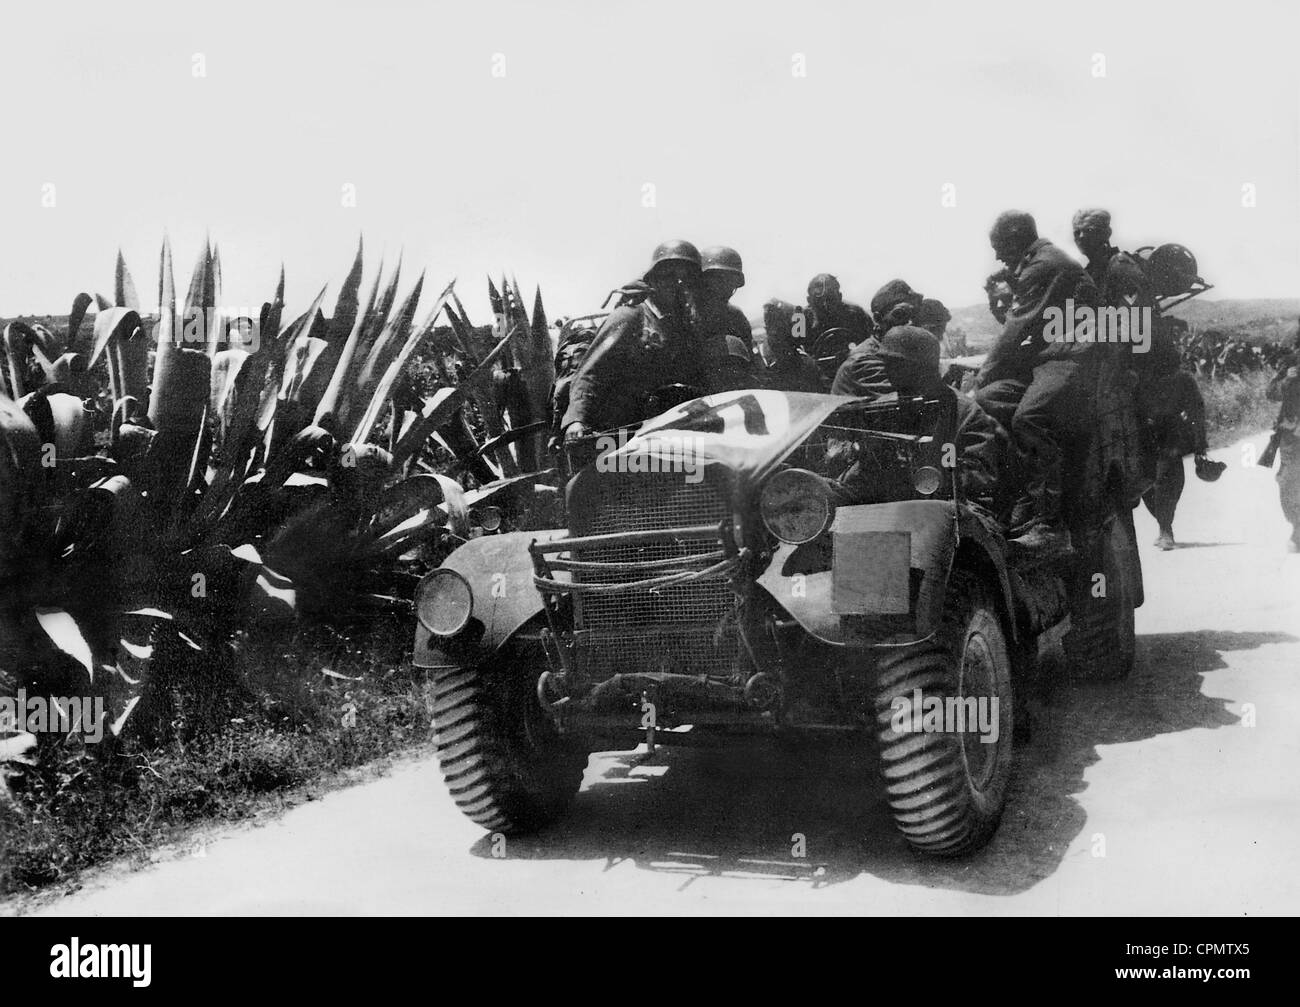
[388, 357]
[498, 305]
[224, 400]
[74, 342]
[282, 415]
[239, 380]
[337, 403]
[61, 420]
[535, 358]
[119, 336]
[165, 333]
[384, 306]
[462, 331]
[346, 306]
[480, 390]
[124, 294]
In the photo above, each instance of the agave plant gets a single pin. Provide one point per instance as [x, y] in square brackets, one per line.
[244, 481]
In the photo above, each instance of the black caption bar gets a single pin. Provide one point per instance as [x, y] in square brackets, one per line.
[140, 956]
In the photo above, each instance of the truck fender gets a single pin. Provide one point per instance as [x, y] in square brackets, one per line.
[499, 570]
[865, 607]
[981, 548]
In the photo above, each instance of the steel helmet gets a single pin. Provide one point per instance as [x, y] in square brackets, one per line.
[720, 258]
[674, 251]
[1209, 470]
[912, 344]
[1172, 269]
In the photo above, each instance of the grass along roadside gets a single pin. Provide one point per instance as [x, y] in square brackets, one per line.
[300, 722]
[1236, 408]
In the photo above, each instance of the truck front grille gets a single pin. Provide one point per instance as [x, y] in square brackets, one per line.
[668, 628]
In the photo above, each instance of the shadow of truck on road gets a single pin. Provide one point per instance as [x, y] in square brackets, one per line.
[747, 813]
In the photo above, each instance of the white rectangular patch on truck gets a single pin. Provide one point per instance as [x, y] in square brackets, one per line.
[871, 572]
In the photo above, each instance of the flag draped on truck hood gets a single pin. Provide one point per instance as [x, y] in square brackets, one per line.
[749, 431]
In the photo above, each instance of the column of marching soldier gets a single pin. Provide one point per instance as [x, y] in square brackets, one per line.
[676, 326]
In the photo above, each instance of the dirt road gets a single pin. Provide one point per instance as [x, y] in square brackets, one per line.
[1150, 796]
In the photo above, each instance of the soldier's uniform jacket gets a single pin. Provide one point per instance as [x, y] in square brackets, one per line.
[637, 350]
[1175, 414]
[795, 373]
[732, 322]
[714, 328]
[1122, 282]
[1044, 278]
[863, 372]
[1119, 276]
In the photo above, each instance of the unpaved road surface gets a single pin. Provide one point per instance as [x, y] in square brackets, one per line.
[1149, 796]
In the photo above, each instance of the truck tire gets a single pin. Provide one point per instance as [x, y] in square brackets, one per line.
[947, 790]
[506, 766]
[1102, 640]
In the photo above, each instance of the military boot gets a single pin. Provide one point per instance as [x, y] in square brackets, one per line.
[1046, 536]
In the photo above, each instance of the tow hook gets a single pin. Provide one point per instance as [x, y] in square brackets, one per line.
[551, 690]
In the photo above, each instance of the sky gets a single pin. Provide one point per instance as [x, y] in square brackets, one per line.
[561, 142]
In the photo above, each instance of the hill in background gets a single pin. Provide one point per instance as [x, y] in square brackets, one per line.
[1262, 319]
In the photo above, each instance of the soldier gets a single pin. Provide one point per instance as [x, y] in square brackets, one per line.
[911, 359]
[934, 317]
[572, 347]
[1041, 390]
[641, 347]
[722, 274]
[863, 370]
[828, 310]
[1285, 388]
[896, 303]
[786, 367]
[1169, 404]
[1118, 276]
[1173, 428]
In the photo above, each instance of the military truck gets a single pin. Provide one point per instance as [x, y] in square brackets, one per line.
[707, 588]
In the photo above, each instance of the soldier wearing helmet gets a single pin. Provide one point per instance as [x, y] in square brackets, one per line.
[1168, 401]
[1041, 388]
[641, 347]
[721, 275]
[828, 310]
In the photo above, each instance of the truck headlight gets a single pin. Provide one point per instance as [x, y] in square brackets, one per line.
[927, 480]
[795, 505]
[444, 603]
